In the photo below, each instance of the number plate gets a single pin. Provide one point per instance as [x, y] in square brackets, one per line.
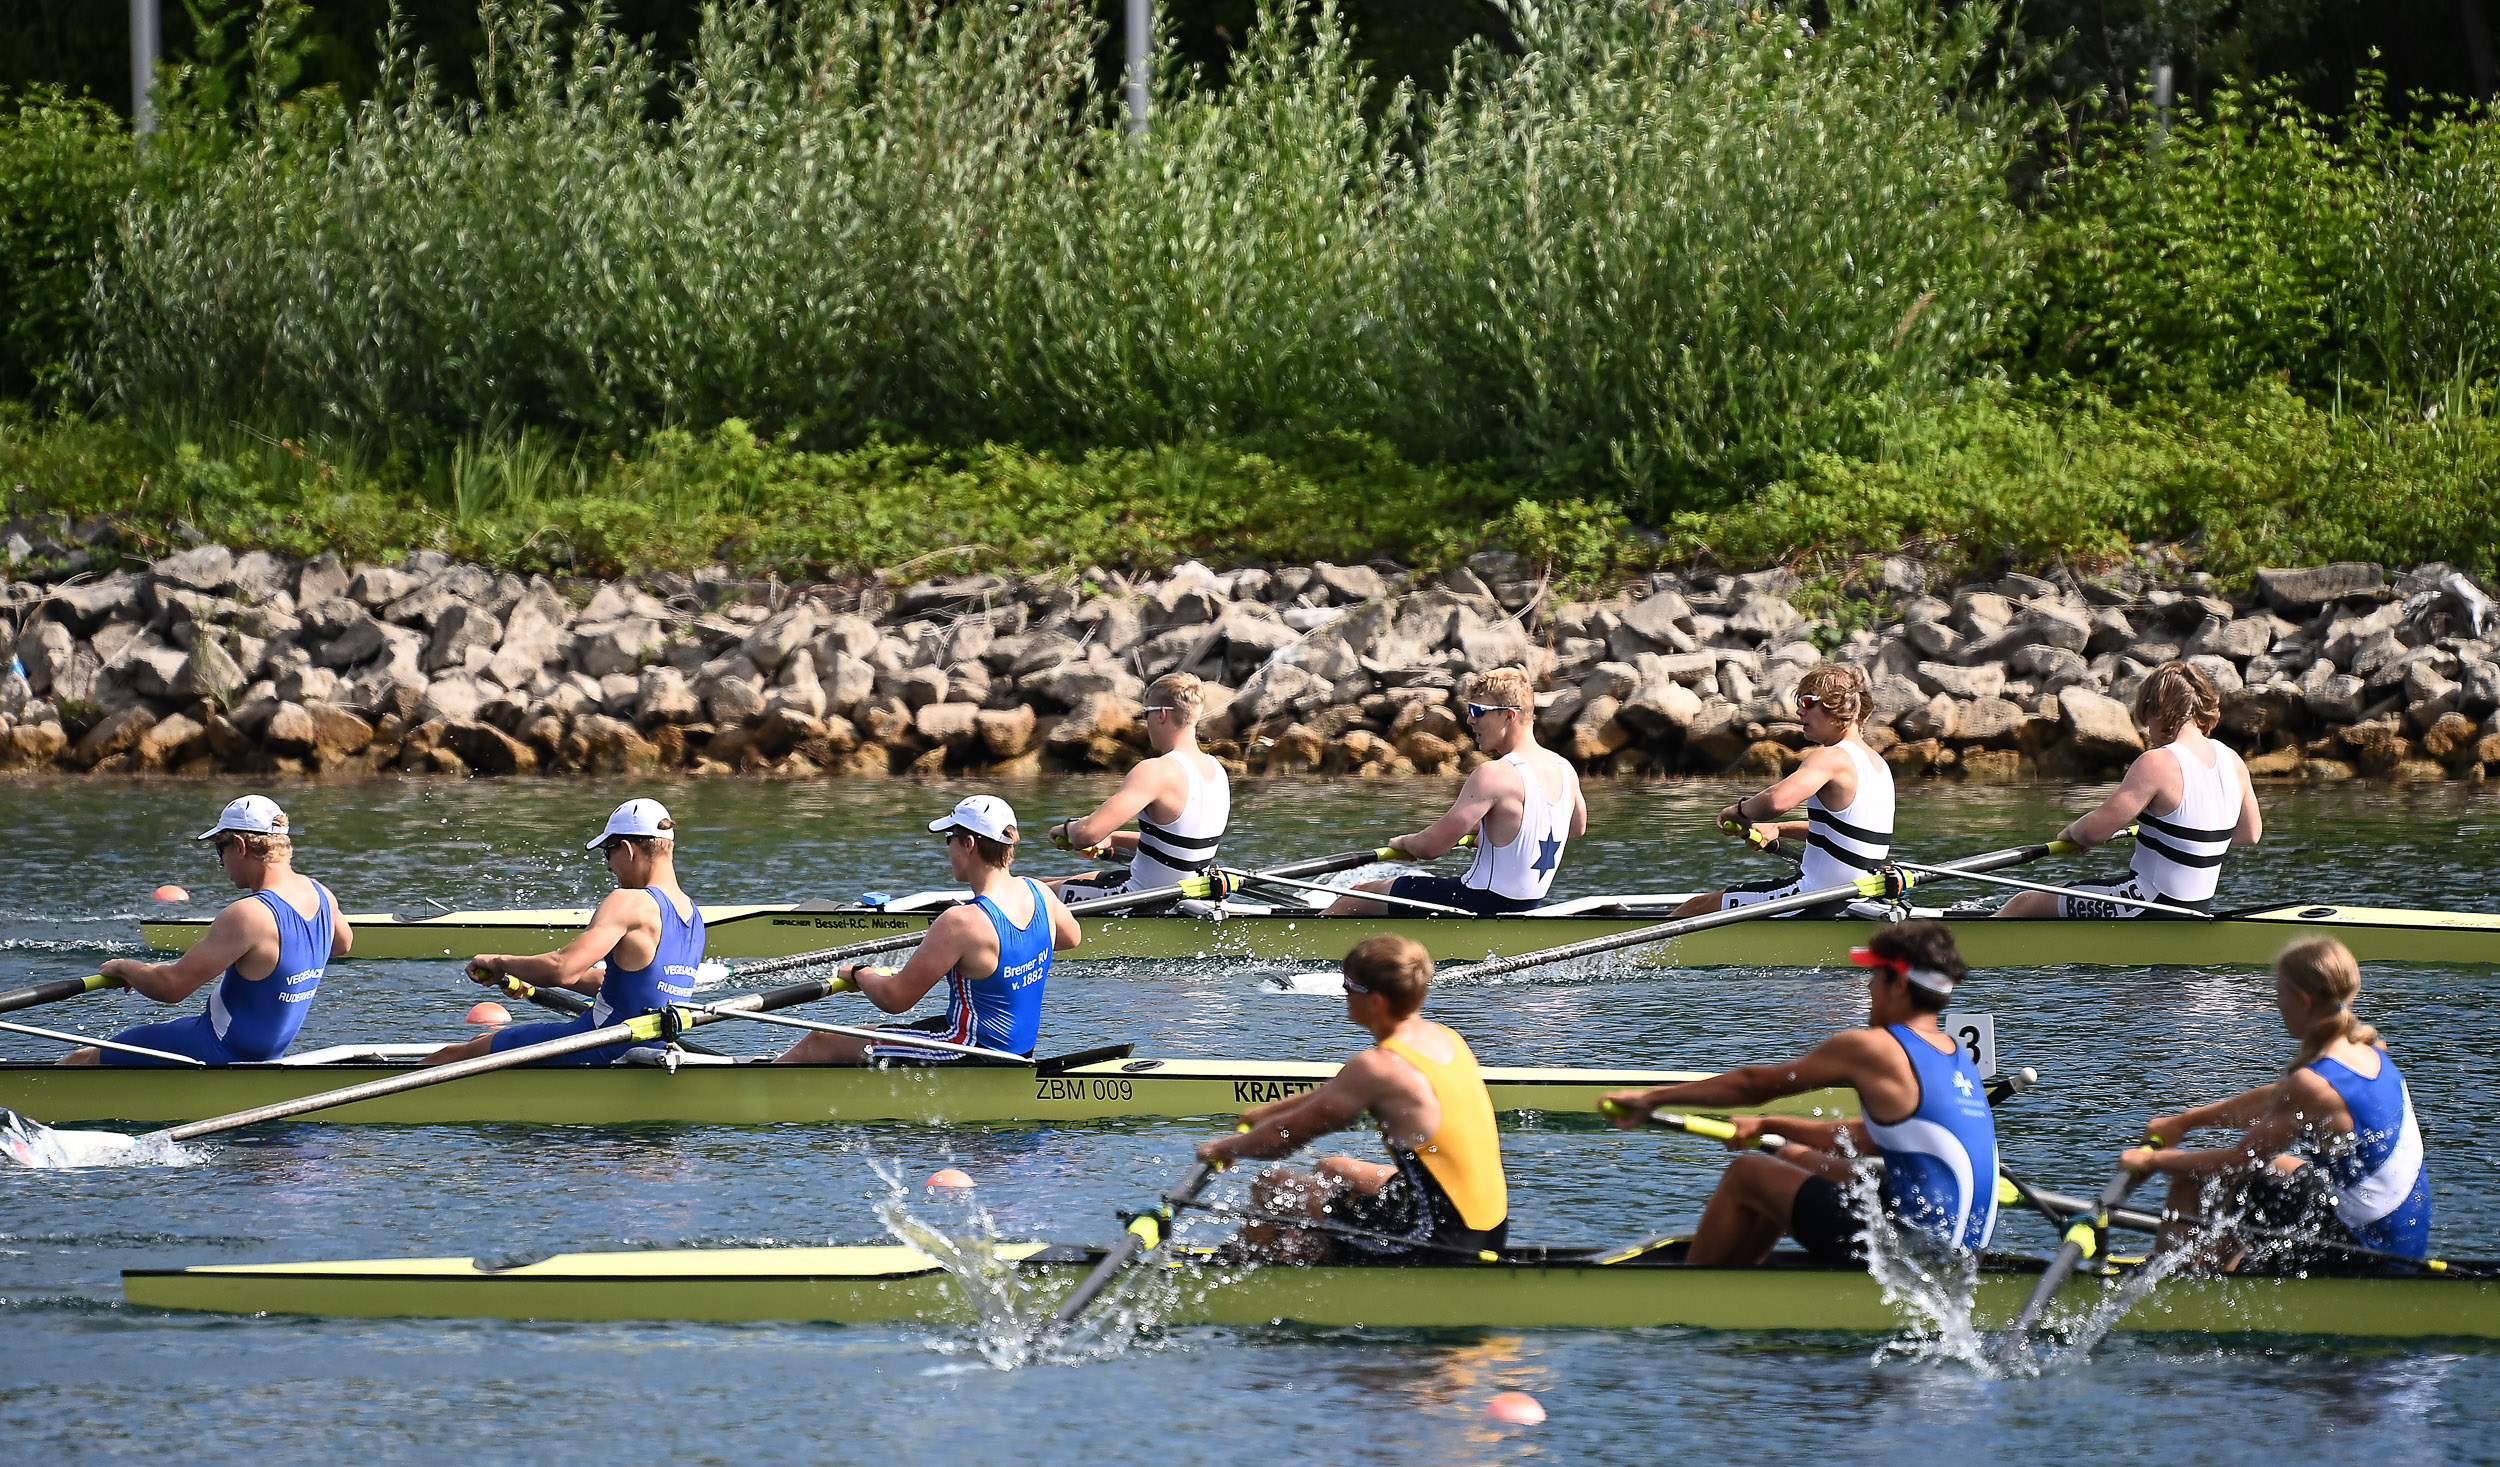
[1977, 1034]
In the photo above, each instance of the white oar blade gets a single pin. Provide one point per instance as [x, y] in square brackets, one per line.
[34, 1145]
[1313, 985]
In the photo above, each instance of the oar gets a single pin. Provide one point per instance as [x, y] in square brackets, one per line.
[1415, 903]
[572, 1005]
[904, 1037]
[2065, 891]
[55, 991]
[2000, 1090]
[1885, 883]
[2059, 1206]
[2083, 1239]
[1145, 1234]
[113, 1044]
[1196, 886]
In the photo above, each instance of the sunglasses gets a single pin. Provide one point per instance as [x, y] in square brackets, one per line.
[1479, 710]
[1808, 700]
[609, 846]
[1161, 708]
[220, 843]
[1353, 987]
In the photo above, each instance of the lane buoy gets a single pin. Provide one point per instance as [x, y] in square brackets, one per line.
[951, 1178]
[490, 1012]
[1516, 1407]
[169, 893]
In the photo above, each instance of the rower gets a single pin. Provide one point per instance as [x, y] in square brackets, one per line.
[266, 953]
[2187, 794]
[1939, 1147]
[1442, 1190]
[2332, 1149]
[1847, 792]
[1524, 804]
[993, 952]
[1181, 799]
[638, 955]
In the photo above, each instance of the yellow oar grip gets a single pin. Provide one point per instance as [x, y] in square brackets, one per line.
[2434, 1265]
[1613, 1108]
[1148, 1226]
[2083, 1237]
[1716, 1130]
[2063, 848]
[2008, 1194]
[94, 981]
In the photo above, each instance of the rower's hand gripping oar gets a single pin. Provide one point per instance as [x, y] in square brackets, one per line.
[1886, 883]
[1999, 1090]
[2086, 1236]
[572, 1005]
[55, 991]
[1146, 1232]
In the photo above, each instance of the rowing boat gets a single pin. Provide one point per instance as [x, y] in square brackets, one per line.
[1099, 1084]
[1532, 1288]
[1250, 931]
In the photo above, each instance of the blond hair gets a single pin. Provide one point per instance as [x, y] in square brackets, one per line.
[2174, 695]
[1181, 692]
[1506, 687]
[1397, 968]
[1840, 688]
[2326, 971]
[275, 845]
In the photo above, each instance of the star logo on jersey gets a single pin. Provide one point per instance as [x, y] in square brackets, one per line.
[1961, 1082]
[1546, 852]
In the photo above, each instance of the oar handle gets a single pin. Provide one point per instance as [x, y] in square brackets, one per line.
[55, 991]
[1145, 1232]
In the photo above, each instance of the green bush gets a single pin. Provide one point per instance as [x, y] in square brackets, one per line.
[65, 164]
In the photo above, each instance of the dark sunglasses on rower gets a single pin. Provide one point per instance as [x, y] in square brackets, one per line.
[1808, 700]
[1479, 710]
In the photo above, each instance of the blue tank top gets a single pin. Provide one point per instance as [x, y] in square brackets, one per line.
[629, 993]
[1940, 1161]
[257, 1019]
[2384, 1190]
[1004, 1010]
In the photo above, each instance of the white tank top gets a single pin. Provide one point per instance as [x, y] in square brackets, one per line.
[2178, 856]
[1186, 847]
[1524, 869]
[1845, 844]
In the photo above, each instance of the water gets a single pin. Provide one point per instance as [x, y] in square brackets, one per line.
[86, 1377]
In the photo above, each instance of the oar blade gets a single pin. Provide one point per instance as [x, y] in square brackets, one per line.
[38, 1147]
[2082, 1238]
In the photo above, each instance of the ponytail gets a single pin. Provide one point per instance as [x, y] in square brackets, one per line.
[2326, 971]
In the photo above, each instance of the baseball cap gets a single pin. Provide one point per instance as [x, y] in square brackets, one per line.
[251, 815]
[985, 815]
[643, 819]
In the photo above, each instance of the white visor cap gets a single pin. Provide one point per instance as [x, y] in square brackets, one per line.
[985, 815]
[641, 819]
[251, 815]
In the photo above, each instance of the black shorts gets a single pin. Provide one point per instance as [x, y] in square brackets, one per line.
[1399, 1212]
[2300, 1202]
[1825, 1225]
[1449, 891]
[1772, 888]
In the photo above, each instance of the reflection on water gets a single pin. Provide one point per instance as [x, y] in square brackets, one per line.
[90, 1377]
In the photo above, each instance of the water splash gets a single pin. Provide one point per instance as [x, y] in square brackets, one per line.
[38, 1147]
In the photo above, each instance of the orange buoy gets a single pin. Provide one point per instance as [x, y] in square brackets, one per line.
[951, 1178]
[1516, 1407]
[490, 1012]
[169, 893]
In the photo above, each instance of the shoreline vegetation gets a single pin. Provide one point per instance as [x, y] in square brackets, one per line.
[863, 289]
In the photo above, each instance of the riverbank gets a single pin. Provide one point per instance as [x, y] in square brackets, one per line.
[208, 662]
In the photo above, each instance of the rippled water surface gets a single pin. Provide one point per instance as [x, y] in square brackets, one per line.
[86, 1376]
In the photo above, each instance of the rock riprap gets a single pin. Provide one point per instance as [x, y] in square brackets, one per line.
[213, 661]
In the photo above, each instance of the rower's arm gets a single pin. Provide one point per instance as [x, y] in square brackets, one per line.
[229, 937]
[1283, 1127]
[1836, 1061]
[1145, 783]
[2120, 810]
[1808, 780]
[578, 965]
[1474, 802]
[1064, 931]
[2251, 827]
[895, 990]
[342, 936]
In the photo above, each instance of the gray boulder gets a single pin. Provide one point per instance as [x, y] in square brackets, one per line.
[206, 568]
[2299, 593]
[2100, 727]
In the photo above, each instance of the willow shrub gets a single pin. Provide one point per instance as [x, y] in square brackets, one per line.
[1663, 250]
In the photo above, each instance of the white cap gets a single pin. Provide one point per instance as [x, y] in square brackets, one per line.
[982, 815]
[642, 819]
[251, 815]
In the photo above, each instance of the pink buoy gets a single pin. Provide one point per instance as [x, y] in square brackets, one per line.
[169, 893]
[951, 1178]
[490, 1012]
[1516, 1407]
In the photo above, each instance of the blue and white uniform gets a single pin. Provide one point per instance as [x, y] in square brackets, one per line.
[249, 1021]
[1515, 877]
[626, 993]
[1940, 1160]
[1002, 1011]
[2383, 1192]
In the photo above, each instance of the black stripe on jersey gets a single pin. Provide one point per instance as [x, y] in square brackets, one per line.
[1855, 860]
[2175, 855]
[1844, 829]
[2176, 831]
